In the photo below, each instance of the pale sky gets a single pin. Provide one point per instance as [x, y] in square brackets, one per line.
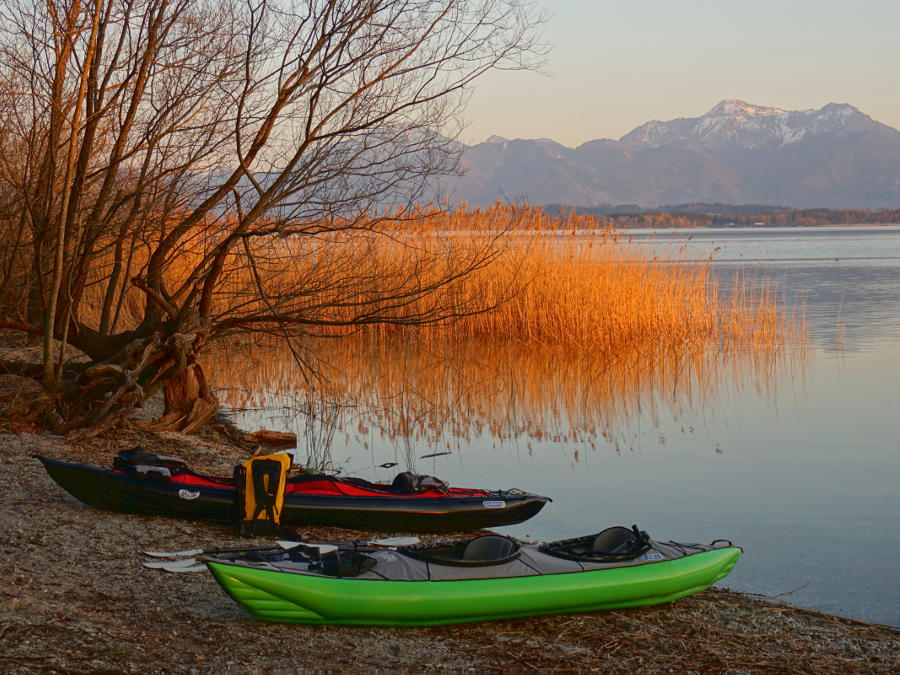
[615, 65]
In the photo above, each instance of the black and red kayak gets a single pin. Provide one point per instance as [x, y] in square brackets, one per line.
[309, 499]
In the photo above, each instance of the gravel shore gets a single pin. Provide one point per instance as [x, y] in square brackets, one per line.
[74, 597]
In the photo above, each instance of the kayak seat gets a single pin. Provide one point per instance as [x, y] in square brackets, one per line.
[614, 540]
[490, 548]
[613, 544]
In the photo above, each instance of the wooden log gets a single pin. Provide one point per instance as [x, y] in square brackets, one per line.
[278, 439]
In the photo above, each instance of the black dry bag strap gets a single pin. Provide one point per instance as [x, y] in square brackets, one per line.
[266, 476]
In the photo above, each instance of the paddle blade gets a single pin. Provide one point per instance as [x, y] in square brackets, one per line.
[166, 565]
[179, 570]
[174, 554]
[396, 541]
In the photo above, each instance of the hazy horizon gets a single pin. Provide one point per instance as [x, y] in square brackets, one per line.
[614, 67]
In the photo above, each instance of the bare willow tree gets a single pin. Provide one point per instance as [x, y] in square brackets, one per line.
[165, 163]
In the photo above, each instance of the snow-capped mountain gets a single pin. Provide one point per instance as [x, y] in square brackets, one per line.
[835, 156]
[740, 124]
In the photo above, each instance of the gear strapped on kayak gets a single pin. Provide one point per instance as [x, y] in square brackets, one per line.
[143, 462]
[260, 484]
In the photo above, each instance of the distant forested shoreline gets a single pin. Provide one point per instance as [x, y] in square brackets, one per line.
[728, 215]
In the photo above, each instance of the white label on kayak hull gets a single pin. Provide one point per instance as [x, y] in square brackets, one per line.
[651, 556]
[494, 505]
[189, 494]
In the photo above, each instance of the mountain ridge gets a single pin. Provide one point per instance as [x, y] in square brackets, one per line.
[834, 157]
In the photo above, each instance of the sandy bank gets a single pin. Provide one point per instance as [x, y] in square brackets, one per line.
[74, 597]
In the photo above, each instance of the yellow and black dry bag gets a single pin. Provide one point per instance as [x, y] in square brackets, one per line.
[260, 486]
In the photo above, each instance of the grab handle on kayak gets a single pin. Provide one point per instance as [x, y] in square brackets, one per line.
[715, 543]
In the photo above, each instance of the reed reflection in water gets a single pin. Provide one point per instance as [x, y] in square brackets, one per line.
[424, 399]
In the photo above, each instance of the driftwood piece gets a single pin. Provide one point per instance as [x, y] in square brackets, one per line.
[276, 439]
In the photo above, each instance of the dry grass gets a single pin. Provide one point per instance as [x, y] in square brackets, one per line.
[558, 281]
[505, 273]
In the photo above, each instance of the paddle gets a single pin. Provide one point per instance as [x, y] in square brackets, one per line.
[214, 551]
[190, 564]
[194, 566]
[166, 564]
[389, 541]
[185, 565]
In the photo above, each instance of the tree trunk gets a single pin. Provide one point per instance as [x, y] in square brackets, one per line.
[190, 402]
[105, 394]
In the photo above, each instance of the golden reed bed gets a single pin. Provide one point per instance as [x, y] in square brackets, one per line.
[580, 330]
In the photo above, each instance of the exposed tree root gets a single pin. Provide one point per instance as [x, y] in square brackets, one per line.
[104, 395]
[190, 402]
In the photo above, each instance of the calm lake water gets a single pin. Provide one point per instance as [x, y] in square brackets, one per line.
[802, 471]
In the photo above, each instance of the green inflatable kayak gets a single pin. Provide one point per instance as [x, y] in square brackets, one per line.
[487, 578]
